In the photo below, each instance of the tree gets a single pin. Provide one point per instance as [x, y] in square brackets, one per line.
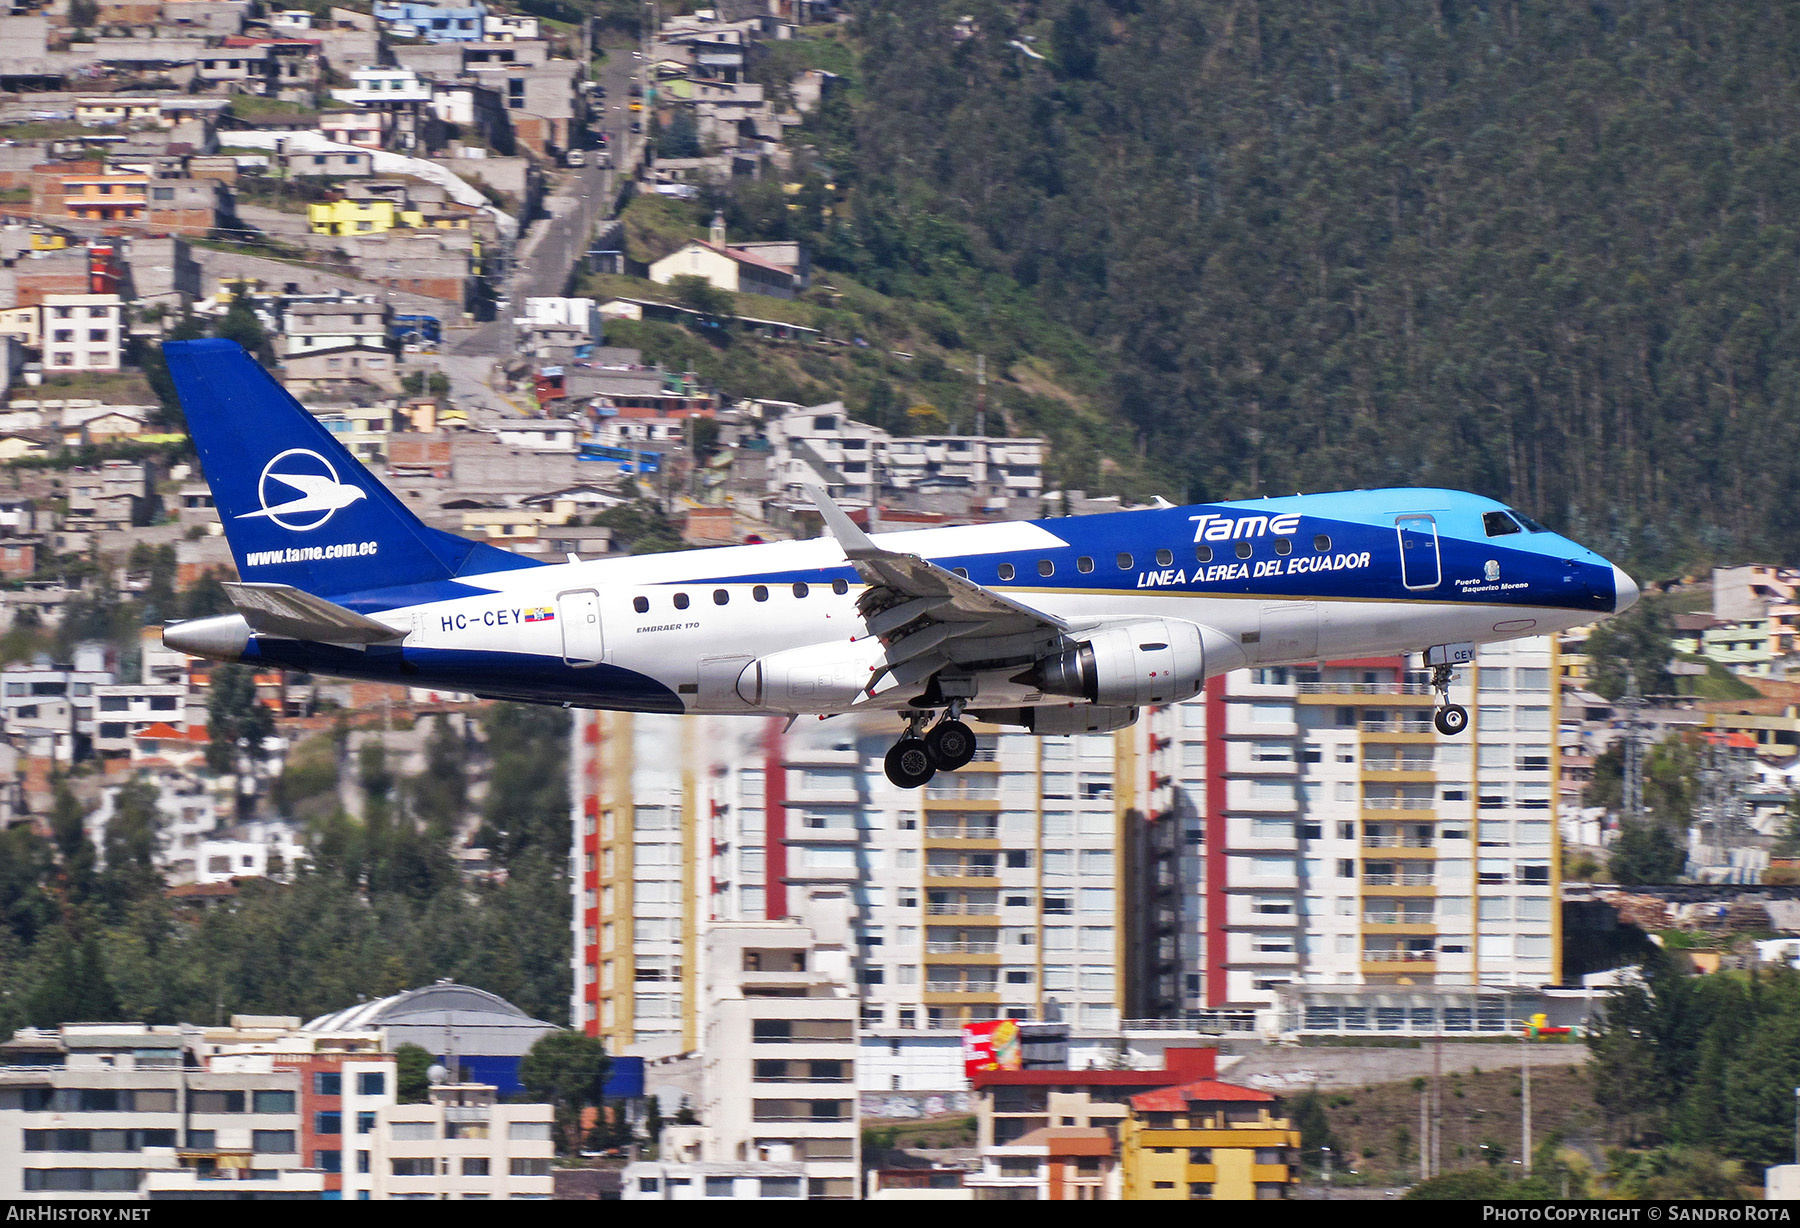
[680, 137]
[641, 527]
[240, 324]
[1307, 1111]
[130, 845]
[566, 1070]
[68, 828]
[698, 294]
[412, 1083]
[1646, 852]
[237, 723]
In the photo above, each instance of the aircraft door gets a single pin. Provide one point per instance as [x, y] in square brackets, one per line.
[579, 614]
[717, 690]
[1419, 564]
[1290, 631]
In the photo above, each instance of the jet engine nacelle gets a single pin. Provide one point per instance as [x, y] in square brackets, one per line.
[818, 678]
[1128, 665]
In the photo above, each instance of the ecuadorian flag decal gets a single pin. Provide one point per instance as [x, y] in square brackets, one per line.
[540, 614]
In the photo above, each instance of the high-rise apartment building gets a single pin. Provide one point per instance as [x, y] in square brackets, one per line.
[1296, 849]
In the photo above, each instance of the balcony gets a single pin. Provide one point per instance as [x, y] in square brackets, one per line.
[961, 948]
[954, 789]
[1398, 880]
[1422, 919]
[961, 987]
[1397, 802]
[1382, 841]
[1396, 726]
[1364, 688]
[963, 909]
[1399, 957]
[951, 869]
[1399, 765]
[955, 831]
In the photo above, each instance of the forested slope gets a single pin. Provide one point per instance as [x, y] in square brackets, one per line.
[1548, 252]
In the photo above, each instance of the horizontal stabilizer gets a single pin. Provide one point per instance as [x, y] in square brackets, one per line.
[283, 610]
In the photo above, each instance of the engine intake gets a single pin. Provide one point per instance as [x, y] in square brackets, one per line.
[1127, 665]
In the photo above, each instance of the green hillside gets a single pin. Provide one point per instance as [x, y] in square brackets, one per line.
[1542, 251]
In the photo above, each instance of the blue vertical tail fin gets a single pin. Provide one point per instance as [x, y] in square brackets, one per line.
[297, 507]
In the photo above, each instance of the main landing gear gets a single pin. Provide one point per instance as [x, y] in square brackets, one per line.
[1450, 719]
[946, 746]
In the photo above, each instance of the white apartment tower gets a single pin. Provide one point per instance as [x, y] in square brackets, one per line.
[1295, 849]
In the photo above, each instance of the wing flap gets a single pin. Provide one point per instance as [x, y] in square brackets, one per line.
[910, 576]
[286, 612]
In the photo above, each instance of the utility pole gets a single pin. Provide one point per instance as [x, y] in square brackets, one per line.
[1525, 1074]
[1437, 1101]
[1632, 801]
[980, 395]
[1424, 1134]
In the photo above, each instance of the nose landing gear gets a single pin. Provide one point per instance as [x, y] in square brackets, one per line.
[1450, 719]
[916, 758]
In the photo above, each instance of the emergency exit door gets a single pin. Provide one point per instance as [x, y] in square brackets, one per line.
[1419, 563]
[579, 614]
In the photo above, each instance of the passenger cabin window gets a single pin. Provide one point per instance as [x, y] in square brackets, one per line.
[720, 596]
[1084, 564]
[760, 592]
[1498, 524]
[641, 604]
[1243, 550]
[1006, 571]
[1046, 567]
[1165, 558]
[1203, 554]
[1322, 543]
[800, 589]
[1124, 561]
[681, 601]
[1283, 546]
[840, 587]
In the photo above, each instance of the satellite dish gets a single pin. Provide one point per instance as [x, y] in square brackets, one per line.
[437, 1075]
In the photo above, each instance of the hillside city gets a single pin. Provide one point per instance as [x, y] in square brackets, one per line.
[276, 935]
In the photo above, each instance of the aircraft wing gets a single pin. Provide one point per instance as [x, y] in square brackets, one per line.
[284, 611]
[928, 616]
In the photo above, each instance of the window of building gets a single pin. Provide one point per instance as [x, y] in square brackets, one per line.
[372, 1083]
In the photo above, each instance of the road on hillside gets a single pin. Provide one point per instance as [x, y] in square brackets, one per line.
[544, 261]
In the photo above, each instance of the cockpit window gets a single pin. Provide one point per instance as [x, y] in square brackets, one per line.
[1498, 524]
[1531, 524]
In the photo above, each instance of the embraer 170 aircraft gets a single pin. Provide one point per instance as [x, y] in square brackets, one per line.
[1060, 626]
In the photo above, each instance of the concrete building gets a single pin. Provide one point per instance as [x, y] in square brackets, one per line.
[1297, 852]
[82, 332]
[778, 1084]
[332, 324]
[823, 446]
[725, 268]
[480, 1036]
[464, 1144]
[1208, 1140]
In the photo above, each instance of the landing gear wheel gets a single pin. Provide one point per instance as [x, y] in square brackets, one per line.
[1451, 719]
[909, 764]
[951, 744]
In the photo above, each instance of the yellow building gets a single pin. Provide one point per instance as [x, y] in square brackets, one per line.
[1208, 1140]
[353, 217]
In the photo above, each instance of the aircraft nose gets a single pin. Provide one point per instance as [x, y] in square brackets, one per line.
[1625, 591]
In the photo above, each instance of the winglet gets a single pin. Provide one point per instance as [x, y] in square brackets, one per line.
[856, 543]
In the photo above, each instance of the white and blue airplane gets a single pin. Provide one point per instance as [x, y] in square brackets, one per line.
[1067, 625]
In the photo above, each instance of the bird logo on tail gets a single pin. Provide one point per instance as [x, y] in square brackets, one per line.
[321, 495]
